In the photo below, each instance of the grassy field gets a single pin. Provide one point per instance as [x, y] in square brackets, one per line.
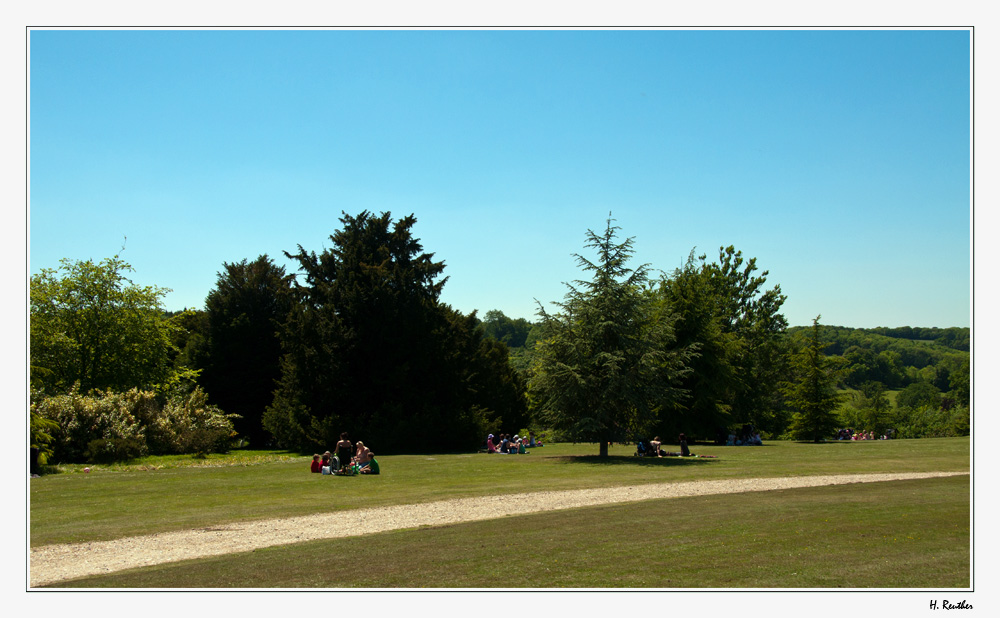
[905, 534]
[900, 534]
[106, 504]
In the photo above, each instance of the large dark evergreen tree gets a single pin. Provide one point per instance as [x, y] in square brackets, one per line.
[606, 366]
[245, 310]
[370, 349]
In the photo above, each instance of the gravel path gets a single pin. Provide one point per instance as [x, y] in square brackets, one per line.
[52, 563]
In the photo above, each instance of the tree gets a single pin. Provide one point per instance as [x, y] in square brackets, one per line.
[244, 311]
[605, 366]
[752, 314]
[870, 409]
[369, 348]
[813, 393]
[513, 332]
[91, 324]
[919, 394]
[710, 385]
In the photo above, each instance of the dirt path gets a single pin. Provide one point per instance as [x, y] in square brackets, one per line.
[53, 563]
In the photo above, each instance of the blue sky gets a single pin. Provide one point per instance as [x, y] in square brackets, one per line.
[839, 159]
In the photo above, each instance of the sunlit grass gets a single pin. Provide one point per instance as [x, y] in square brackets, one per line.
[178, 494]
[902, 534]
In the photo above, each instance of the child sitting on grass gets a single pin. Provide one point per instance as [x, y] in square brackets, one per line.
[372, 466]
[316, 464]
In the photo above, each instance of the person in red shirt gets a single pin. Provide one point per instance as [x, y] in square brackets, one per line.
[316, 464]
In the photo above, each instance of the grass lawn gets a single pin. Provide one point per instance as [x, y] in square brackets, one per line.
[161, 495]
[902, 534]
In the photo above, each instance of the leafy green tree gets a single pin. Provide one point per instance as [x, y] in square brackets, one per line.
[919, 394]
[813, 391]
[869, 409]
[751, 313]
[606, 366]
[960, 383]
[690, 296]
[242, 361]
[92, 325]
[513, 332]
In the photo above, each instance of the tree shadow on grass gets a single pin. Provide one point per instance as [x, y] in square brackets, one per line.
[630, 460]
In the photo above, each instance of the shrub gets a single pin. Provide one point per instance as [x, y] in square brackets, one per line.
[932, 422]
[106, 426]
[195, 426]
[115, 449]
[83, 419]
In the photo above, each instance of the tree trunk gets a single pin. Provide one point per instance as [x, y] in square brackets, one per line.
[604, 448]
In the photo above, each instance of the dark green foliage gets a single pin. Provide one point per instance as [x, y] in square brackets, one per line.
[869, 410]
[369, 349]
[190, 339]
[812, 392]
[919, 394]
[242, 360]
[895, 361]
[606, 365]
[115, 449]
[737, 330]
[690, 296]
[753, 314]
[955, 338]
[513, 332]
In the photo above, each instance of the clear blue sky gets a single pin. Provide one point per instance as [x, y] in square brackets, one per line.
[839, 159]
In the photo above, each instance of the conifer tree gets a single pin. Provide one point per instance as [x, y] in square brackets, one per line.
[605, 366]
[813, 393]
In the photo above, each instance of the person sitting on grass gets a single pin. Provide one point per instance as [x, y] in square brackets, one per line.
[684, 446]
[371, 466]
[520, 447]
[654, 445]
[490, 447]
[317, 466]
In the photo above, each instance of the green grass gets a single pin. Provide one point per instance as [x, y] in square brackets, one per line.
[114, 503]
[903, 534]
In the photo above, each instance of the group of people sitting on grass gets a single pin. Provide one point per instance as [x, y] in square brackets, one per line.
[746, 439]
[507, 445]
[850, 434]
[347, 459]
[652, 448]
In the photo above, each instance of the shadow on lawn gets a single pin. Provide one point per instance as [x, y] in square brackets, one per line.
[629, 460]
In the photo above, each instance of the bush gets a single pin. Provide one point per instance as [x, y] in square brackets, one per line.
[84, 419]
[196, 426]
[106, 426]
[115, 449]
[932, 422]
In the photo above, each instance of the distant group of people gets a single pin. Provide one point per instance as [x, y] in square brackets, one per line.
[347, 460]
[850, 434]
[752, 439]
[507, 445]
[652, 448]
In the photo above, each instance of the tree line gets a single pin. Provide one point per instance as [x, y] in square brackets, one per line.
[358, 340]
